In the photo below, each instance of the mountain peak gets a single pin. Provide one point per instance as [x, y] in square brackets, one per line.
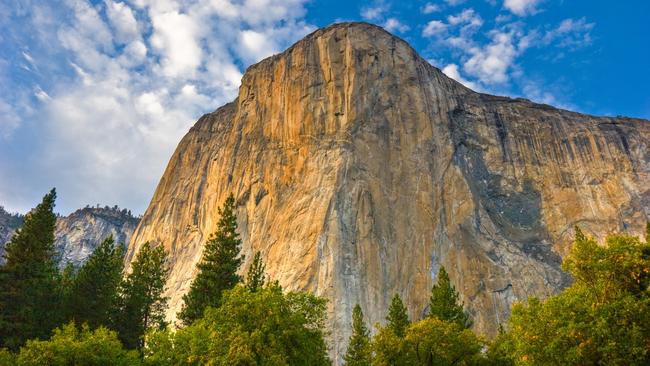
[359, 169]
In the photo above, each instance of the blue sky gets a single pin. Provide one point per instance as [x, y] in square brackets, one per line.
[96, 94]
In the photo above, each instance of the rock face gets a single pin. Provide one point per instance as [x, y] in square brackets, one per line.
[359, 169]
[8, 224]
[78, 234]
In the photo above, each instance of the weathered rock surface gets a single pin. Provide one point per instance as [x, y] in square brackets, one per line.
[78, 234]
[8, 224]
[359, 168]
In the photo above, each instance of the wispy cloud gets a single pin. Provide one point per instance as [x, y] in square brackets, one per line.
[522, 7]
[133, 76]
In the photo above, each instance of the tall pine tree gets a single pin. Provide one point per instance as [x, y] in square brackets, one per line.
[443, 303]
[29, 294]
[94, 293]
[255, 278]
[218, 267]
[142, 304]
[359, 352]
[398, 319]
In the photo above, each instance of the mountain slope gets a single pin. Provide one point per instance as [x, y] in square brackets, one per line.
[78, 234]
[359, 168]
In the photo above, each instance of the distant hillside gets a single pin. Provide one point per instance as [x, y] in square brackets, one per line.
[79, 233]
[8, 224]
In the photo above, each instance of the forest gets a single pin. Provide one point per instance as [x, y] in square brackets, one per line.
[105, 314]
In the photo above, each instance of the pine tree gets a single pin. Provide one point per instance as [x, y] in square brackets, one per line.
[29, 295]
[398, 319]
[255, 277]
[218, 267]
[67, 278]
[443, 303]
[94, 293]
[141, 304]
[359, 351]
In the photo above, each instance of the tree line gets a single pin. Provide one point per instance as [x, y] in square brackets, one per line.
[100, 314]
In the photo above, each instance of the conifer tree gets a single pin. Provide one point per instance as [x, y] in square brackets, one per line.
[443, 303]
[255, 277]
[141, 304]
[359, 351]
[29, 296]
[398, 319]
[66, 282]
[94, 293]
[218, 267]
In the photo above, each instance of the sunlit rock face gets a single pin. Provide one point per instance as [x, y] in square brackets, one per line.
[359, 169]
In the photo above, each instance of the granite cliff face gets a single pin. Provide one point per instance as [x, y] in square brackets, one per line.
[8, 224]
[359, 168]
[78, 234]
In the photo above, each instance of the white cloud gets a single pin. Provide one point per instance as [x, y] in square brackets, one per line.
[491, 63]
[123, 21]
[256, 45]
[452, 71]
[429, 8]
[394, 25]
[433, 28]
[570, 33]
[454, 2]
[375, 12]
[139, 74]
[176, 37]
[521, 7]
[467, 17]
[10, 119]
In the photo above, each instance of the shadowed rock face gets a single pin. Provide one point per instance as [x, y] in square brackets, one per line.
[8, 224]
[359, 169]
[77, 235]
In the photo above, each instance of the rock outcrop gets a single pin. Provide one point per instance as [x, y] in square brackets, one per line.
[359, 169]
[78, 234]
[9, 223]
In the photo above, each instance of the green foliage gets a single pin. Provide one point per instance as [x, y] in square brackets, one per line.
[141, 303]
[265, 327]
[94, 291]
[7, 358]
[602, 319]
[218, 267]
[387, 348]
[359, 352]
[256, 277]
[71, 346]
[443, 303]
[436, 342]
[29, 295]
[397, 318]
[427, 342]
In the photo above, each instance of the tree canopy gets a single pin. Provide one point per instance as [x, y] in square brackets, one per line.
[217, 270]
[141, 303]
[265, 327]
[29, 292]
[359, 352]
[601, 319]
[444, 303]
